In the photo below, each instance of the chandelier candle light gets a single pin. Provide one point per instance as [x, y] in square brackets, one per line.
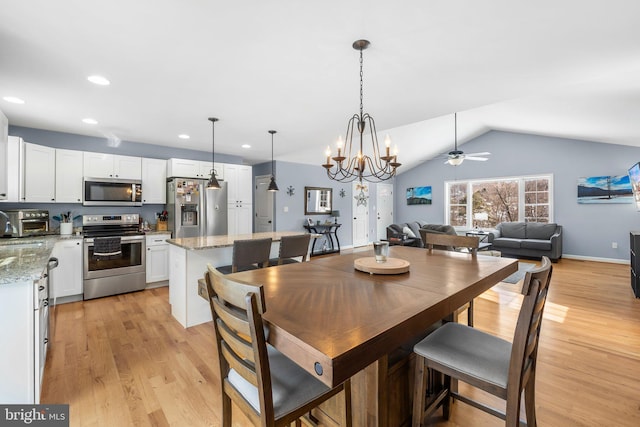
[361, 166]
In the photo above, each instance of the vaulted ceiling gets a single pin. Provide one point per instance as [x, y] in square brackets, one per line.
[568, 68]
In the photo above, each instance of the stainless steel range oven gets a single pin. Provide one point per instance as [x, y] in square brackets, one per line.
[114, 255]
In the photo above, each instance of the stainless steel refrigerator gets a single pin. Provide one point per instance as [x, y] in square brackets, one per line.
[195, 211]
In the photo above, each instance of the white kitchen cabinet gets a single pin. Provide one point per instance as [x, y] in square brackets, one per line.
[239, 219]
[154, 181]
[66, 279]
[219, 167]
[157, 258]
[4, 159]
[240, 184]
[182, 168]
[69, 176]
[17, 337]
[24, 337]
[239, 198]
[39, 173]
[127, 167]
[15, 165]
[101, 165]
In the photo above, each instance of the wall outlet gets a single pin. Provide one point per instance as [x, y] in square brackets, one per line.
[285, 209]
[614, 245]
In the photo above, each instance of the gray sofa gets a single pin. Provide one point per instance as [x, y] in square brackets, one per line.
[528, 239]
[409, 232]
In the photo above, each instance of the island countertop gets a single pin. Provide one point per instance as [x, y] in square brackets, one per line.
[210, 242]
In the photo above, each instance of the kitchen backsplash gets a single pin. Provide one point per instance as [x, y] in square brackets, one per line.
[147, 212]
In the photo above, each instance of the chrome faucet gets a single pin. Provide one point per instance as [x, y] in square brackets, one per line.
[7, 228]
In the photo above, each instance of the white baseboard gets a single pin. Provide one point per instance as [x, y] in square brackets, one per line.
[596, 259]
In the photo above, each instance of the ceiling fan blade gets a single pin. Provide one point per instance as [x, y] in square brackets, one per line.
[480, 159]
[478, 154]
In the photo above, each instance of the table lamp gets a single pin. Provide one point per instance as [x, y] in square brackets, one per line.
[335, 214]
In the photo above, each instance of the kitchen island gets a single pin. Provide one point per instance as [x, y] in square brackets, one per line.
[188, 259]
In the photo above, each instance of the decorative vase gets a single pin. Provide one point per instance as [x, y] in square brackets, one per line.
[66, 228]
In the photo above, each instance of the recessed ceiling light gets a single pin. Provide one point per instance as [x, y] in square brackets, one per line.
[13, 99]
[90, 121]
[99, 80]
[184, 136]
[246, 146]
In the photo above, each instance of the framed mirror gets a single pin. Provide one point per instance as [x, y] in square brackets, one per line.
[318, 200]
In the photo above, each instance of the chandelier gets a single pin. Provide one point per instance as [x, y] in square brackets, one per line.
[349, 165]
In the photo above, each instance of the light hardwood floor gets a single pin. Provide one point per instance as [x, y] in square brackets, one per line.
[124, 361]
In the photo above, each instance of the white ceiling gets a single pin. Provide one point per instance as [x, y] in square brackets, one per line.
[568, 68]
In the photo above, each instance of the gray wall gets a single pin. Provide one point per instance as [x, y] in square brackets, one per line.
[299, 176]
[589, 230]
[71, 141]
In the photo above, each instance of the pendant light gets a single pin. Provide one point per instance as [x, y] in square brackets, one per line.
[213, 183]
[272, 185]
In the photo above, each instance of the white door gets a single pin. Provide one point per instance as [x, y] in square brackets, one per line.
[384, 218]
[264, 205]
[360, 209]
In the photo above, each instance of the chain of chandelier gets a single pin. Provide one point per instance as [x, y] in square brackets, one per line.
[350, 165]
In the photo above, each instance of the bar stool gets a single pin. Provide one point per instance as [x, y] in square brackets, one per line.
[292, 247]
[249, 254]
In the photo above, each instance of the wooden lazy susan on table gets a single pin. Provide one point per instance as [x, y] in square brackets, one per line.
[390, 266]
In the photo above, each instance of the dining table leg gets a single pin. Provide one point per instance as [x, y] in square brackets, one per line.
[369, 398]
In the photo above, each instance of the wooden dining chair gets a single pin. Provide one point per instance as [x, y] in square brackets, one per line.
[504, 369]
[249, 254]
[269, 388]
[292, 247]
[450, 242]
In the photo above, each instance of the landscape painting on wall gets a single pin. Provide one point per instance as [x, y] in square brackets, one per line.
[419, 196]
[605, 189]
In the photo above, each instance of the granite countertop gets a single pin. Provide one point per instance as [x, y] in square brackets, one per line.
[211, 242]
[152, 232]
[24, 259]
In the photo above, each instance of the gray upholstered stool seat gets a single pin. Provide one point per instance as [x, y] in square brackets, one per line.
[291, 386]
[449, 346]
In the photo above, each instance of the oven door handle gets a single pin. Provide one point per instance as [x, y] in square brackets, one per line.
[123, 239]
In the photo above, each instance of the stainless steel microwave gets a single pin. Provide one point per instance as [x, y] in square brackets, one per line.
[111, 192]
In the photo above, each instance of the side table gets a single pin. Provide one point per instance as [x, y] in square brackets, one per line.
[328, 231]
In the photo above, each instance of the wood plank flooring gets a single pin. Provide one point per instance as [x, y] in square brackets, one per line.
[124, 361]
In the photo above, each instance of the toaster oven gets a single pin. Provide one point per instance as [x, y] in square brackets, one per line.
[28, 222]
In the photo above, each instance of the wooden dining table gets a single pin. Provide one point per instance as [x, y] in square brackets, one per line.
[337, 322]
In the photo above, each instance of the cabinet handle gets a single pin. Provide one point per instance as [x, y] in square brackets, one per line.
[3, 194]
[41, 288]
[46, 340]
[148, 249]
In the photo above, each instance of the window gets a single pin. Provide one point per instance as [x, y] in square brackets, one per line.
[497, 200]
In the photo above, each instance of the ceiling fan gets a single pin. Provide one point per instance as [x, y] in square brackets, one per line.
[456, 157]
